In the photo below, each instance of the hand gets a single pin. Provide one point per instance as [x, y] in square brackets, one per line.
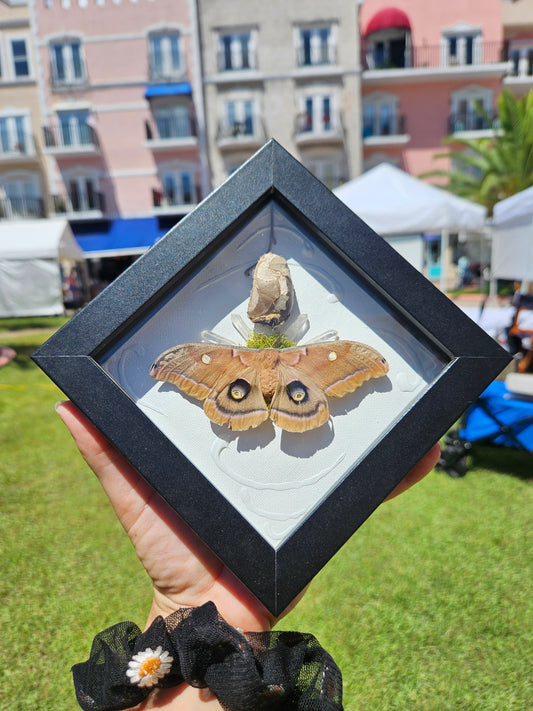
[183, 570]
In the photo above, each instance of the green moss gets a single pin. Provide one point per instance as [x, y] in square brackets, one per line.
[275, 340]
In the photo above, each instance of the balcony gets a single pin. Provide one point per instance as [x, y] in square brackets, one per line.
[70, 139]
[245, 60]
[248, 134]
[474, 121]
[321, 56]
[388, 132]
[68, 81]
[17, 148]
[171, 203]
[521, 66]
[479, 58]
[160, 74]
[171, 132]
[21, 208]
[80, 205]
[309, 130]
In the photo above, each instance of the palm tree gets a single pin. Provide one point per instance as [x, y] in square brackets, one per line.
[490, 169]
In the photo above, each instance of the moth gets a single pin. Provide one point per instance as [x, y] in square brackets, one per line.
[243, 387]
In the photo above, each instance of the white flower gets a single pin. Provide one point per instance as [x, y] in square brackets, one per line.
[146, 668]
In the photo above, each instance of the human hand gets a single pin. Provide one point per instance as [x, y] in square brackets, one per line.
[184, 572]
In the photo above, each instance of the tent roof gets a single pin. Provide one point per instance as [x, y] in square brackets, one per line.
[38, 239]
[393, 202]
[513, 209]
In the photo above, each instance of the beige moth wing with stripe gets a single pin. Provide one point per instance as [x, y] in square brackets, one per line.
[242, 387]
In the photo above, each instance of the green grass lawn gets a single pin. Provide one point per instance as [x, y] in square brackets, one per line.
[429, 607]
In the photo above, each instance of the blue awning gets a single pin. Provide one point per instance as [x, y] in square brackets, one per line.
[167, 89]
[118, 237]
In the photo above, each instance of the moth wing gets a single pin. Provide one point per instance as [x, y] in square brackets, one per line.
[298, 404]
[194, 368]
[340, 367]
[236, 400]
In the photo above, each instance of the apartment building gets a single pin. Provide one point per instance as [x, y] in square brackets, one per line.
[119, 129]
[427, 64]
[23, 180]
[288, 70]
[517, 19]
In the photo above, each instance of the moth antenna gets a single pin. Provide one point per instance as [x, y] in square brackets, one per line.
[212, 337]
[240, 325]
[325, 337]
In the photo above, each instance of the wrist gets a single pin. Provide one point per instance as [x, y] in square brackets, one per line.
[246, 614]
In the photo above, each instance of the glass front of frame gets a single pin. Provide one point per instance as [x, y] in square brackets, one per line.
[274, 478]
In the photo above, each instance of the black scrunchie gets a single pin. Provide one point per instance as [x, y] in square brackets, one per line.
[249, 671]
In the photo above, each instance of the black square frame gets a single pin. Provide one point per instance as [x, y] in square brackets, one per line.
[71, 358]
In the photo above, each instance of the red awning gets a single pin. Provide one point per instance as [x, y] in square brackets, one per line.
[387, 18]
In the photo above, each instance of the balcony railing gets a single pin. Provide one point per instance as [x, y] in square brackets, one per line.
[395, 126]
[75, 203]
[521, 62]
[71, 137]
[159, 73]
[170, 198]
[308, 127]
[17, 146]
[433, 57]
[245, 61]
[69, 79]
[321, 56]
[472, 120]
[249, 130]
[25, 207]
[170, 128]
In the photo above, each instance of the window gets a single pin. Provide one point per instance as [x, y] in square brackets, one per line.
[380, 117]
[461, 45]
[173, 122]
[21, 197]
[178, 187]
[14, 135]
[165, 56]
[67, 62]
[240, 118]
[315, 47]
[83, 195]
[317, 114]
[20, 58]
[389, 49]
[471, 110]
[74, 128]
[521, 56]
[235, 51]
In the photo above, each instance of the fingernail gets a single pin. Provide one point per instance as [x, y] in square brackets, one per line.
[58, 404]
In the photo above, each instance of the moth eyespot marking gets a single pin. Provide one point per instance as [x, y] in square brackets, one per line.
[297, 391]
[206, 358]
[332, 355]
[239, 389]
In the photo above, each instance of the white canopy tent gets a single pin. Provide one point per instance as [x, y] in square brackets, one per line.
[512, 240]
[394, 203]
[30, 274]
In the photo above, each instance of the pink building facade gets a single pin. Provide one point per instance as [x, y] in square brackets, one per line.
[118, 86]
[427, 64]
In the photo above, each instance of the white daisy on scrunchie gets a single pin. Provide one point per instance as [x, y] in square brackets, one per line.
[148, 667]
